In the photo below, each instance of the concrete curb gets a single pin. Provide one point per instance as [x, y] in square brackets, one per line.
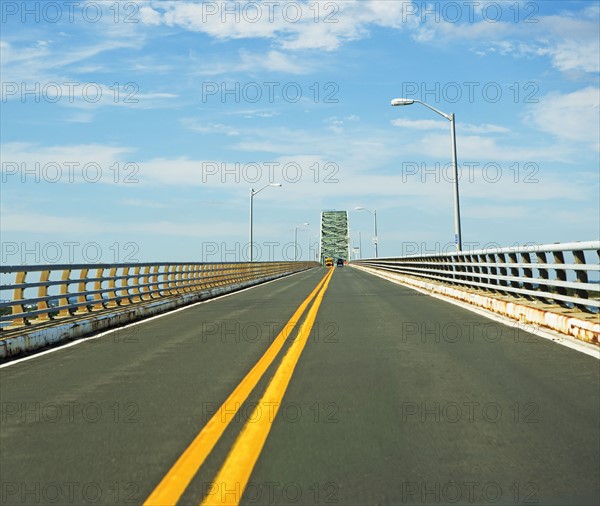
[70, 331]
[583, 330]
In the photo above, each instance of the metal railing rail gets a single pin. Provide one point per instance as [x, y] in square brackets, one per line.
[118, 285]
[538, 272]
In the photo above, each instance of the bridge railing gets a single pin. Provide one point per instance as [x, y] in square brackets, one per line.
[45, 292]
[565, 273]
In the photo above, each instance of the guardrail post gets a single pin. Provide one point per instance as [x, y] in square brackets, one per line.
[492, 270]
[527, 273]
[179, 279]
[19, 295]
[43, 292]
[154, 288]
[82, 287]
[164, 278]
[542, 271]
[98, 303]
[514, 271]
[211, 276]
[561, 275]
[124, 289]
[145, 289]
[197, 277]
[188, 277]
[193, 277]
[469, 267]
[481, 269]
[64, 291]
[112, 285]
[447, 268]
[171, 285]
[582, 277]
[502, 271]
[135, 286]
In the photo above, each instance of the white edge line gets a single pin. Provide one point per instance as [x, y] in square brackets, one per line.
[166, 313]
[564, 340]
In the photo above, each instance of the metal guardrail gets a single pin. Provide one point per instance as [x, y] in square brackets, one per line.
[86, 288]
[553, 273]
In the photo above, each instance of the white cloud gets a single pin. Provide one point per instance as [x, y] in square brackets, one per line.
[575, 55]
[570, 40]
[253, 113]
[149, 16]
[66, 163]
[80, 117]
[329, 25]
[49, 224]
[336, 124]
[291, 25]
[209, 128]
[273, 61]
[476, 147]
[55, 225]
[429, 124]
[352, 169]
[570, 117]
[420, 124]
[253, 63]
[48, 71]
[485, 128]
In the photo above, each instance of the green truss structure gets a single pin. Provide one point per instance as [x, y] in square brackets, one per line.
[335, 237]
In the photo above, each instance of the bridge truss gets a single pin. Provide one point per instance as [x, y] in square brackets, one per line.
[335, 237]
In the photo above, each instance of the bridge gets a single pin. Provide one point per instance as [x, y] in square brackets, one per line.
[460, 378]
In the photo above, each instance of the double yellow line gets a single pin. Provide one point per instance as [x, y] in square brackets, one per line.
[238, 466]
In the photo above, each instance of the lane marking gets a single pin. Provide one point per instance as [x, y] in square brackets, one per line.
[231, 481]
[81, 340]
[174, 483]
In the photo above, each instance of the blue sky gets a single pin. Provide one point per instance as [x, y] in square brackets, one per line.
[135, 130]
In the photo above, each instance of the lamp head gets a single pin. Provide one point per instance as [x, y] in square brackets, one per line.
[402, 101]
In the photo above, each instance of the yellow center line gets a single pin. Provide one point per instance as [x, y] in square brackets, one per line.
[228, 486]
[174, 483]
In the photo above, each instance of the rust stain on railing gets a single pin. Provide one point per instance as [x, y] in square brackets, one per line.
[126, 285]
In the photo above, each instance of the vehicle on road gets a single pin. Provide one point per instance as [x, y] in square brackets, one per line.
[340, 262]
[329, 262]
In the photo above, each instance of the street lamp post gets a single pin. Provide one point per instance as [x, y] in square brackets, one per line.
[375, 238]
[252, 193]
[450, 118]
[296, 239]
[360, 245]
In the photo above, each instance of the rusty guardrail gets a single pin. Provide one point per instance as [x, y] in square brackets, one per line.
[566, 274]
[53, 293]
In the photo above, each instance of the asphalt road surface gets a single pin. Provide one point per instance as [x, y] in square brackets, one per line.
[380, 395]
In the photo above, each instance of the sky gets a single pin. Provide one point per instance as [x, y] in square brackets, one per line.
[134, 131]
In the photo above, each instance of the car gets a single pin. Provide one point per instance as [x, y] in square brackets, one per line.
[340, 262]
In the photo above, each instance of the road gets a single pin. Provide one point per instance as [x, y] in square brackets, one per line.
[388, 397]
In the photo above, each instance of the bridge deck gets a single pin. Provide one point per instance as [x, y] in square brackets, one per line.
[397, 398]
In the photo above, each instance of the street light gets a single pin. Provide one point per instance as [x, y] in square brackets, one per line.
[313, 240]
[450, 117]
[374, 213]
[252, 193]
[296, 238]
